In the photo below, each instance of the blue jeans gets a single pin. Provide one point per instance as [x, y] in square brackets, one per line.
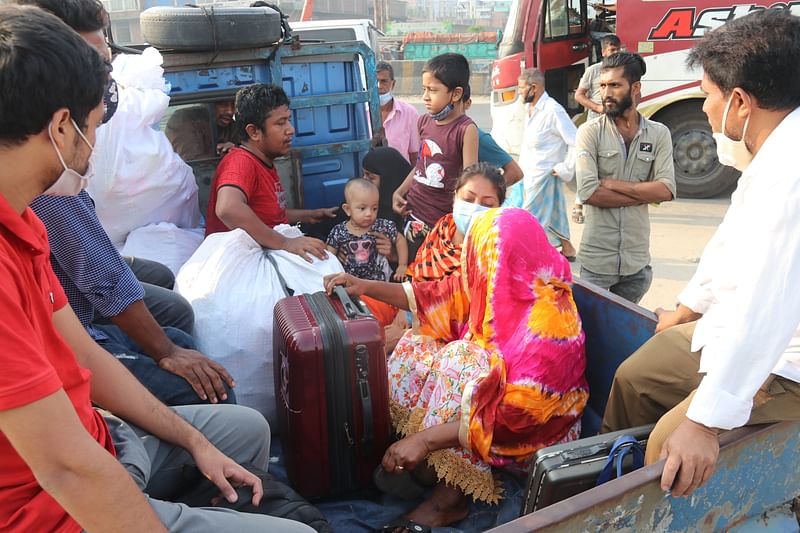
[632, 287]
[166, 386]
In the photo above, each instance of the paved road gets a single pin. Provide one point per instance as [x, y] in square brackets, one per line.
[679, 230]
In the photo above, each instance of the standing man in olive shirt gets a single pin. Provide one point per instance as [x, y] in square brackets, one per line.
[624, 162]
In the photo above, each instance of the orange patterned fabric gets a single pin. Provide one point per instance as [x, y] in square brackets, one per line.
[514, 301]
[438, 257]
[384, 313]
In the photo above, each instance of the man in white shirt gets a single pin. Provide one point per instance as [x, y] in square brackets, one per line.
[546, 158]
[399, 118]
[729, 355]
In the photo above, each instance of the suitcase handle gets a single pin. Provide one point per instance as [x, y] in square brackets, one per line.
[582, 453]
[362, 372]
[351, 309]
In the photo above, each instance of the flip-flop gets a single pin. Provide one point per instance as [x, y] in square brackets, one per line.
[401, 485]
[408, 525]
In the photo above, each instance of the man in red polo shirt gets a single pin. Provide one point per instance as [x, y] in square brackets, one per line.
[58, 470]
[247, 192]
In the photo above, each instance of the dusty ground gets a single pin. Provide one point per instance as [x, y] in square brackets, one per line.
[679, 230]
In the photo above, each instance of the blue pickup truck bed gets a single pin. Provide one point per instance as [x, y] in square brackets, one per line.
[614, 328]
[758, 474]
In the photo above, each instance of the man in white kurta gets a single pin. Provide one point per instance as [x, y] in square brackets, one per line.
[729, 355]
[547, 159]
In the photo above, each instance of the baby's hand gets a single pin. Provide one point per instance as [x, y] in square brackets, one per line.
[400, 273]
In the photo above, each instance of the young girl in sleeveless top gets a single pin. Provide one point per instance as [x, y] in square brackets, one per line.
[448, 144]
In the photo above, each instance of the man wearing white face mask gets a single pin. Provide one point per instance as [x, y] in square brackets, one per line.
[399, 118]
[102, 288]
[64, 465]
[729, 355]
[71, 182]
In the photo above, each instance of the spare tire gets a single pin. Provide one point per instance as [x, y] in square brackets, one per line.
[210, 28]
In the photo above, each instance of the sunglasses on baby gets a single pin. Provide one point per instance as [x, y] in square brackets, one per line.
[355, 245]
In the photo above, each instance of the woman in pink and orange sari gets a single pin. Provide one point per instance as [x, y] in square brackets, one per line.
[493, 369]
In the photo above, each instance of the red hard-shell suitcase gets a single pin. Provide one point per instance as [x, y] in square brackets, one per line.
[331, 387]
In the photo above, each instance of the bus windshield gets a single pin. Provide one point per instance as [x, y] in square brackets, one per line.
[512, 35]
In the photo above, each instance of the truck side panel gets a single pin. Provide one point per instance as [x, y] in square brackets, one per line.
[331, 109]
[324, 176]
[752, 489]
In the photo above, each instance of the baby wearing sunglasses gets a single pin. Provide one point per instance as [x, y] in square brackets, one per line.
[352, 239]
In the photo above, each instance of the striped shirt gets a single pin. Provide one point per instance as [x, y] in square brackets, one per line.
[89, 267]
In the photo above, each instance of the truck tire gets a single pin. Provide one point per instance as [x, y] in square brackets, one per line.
[698, 172]
[210, 28]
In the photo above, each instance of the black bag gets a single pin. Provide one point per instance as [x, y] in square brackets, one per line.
[564, 470]
[279, 499]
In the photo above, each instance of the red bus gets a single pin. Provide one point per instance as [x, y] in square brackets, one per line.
[554, 36]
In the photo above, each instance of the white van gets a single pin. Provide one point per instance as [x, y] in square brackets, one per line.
[338, 30]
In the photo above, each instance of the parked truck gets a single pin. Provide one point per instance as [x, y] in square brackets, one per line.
[555, 37]
[331, 85]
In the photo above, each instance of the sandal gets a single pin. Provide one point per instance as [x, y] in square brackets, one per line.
[408, 525]
[401, 485]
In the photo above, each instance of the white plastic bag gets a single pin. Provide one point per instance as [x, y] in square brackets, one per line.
[233, 289]
[300, 275]
[138, 178]
[165, 243]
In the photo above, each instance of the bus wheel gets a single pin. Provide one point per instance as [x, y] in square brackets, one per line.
[698, 172]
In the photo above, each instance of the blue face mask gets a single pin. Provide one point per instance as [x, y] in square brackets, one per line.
[385, 98]
[464, 213]
[444, 113]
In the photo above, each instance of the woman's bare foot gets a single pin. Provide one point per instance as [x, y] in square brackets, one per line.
[447, 505]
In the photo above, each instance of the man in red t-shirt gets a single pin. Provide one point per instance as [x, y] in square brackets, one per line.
[247, 192]
[58, 470]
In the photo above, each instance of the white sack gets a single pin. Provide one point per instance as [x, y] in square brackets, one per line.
[300, 275]
[233, 289]
[165, 242]
[138, 177]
